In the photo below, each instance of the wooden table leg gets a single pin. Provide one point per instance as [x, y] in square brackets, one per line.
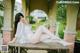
[10, 49]
[63, 51]
[23, 50]
[18, 49]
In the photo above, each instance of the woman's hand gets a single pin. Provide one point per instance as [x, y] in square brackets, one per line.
[13, 41]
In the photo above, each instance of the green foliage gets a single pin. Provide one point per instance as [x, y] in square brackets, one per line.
[30, 18]
[61, 30]
[1, 17]
[38, 23]
[1, 7]
[78, 35]
[1, 23]
[61, 12]
[61, 17]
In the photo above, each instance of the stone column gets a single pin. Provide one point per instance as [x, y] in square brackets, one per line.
[78, 21]
[52, 14]
[25, 8]
[52, 10]
[70, 31]
[7, 26]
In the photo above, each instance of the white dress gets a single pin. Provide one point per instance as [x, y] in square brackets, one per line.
[24, 34]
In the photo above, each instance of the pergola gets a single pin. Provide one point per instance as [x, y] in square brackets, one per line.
[49, 6]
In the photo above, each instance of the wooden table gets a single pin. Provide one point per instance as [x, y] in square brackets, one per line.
[50, 47]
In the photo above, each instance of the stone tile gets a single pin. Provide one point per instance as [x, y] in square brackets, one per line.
[37, 51]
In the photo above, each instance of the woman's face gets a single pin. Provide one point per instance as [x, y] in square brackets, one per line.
[22, 19]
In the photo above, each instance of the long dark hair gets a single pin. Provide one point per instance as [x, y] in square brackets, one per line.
[17, 19]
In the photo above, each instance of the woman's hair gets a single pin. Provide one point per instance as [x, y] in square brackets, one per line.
[17, 19]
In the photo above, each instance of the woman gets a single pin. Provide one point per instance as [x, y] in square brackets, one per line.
[24, 33]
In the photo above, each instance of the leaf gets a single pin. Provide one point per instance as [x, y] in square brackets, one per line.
[1, 7]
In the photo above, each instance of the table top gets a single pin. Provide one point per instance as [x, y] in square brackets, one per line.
[43, 46]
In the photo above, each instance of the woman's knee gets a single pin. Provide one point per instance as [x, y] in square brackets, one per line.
[34, 41]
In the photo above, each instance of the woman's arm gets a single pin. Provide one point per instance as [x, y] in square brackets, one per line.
[18, 32]
[14, 39]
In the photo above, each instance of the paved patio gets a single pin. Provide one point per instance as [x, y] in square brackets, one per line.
[34, 51]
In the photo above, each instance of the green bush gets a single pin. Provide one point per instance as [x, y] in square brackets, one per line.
[35, 25]
[78, 35]
[61, 30]
[1, 7]
[61, 17]
[1, 21]
[1, 17]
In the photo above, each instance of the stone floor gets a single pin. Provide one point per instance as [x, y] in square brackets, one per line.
[37, 51]
[33, 51]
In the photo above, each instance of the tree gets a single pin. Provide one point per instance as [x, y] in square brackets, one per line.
[1, 17]
[61, 12]
[61, 18]
[1, 21]
[1, 7]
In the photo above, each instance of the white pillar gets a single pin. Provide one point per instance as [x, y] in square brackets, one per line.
[52, 10]
[7, 26]
[25, 8]
[72, 11]
[70, 31]
[52, 14]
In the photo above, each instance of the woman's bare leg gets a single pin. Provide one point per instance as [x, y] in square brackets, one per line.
[38, 34]
[46, 31]
[42, 29]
